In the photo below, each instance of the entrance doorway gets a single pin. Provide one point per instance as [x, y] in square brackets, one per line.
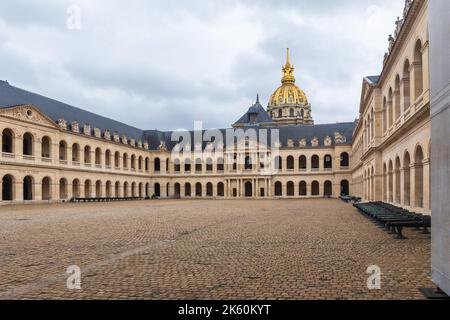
[248, 190]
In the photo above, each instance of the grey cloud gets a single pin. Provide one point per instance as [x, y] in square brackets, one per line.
[164, 64]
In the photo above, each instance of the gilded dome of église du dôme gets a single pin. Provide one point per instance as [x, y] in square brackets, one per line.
[289, 104]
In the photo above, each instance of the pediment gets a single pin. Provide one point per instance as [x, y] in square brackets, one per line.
[28, 113]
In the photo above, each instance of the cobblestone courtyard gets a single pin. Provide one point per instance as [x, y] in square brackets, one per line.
[290, 249]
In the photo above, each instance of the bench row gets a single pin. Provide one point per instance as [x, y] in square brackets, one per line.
[393, 219]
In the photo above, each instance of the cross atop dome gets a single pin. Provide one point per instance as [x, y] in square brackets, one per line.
[288, 70]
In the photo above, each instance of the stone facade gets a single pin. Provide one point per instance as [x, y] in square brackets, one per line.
[391, 143]
[41, 161]
[388, 157]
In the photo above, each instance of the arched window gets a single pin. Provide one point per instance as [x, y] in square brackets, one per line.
[28, 144]
[280, 113]
[290, 189]
[108, 158]
[198, 165]
[385, 112]
[46, 189]
[198, 189]
[220, 164]
[133, 162]
[345, 188]
[315, 162]
[140, 163]
[87, 155]
[157, 165]
[397, 181]
[76, 153]
[328, 189]
[157, 190]
[418, 177]
[248, 189]
[209, 165]
[220, 189]
[278, 189]
[302, 191]
[187, 165]
[177, 189]
[406, 86]
[291, 113]
[302, 163]
[345, 160]
[327, 162]
[62, 151]
[98, 156]
[390, 108]
[290, 163]
[407, 180]
[391, 182]
[147, 164]
[209, 189]
[418, 73]
[176, 165]
[7, 141]
[125, 161]
[397, 98]
[315, 188]
[76, 188]
[8, 187]
[28, 188]
[46, 147]
[187, 190]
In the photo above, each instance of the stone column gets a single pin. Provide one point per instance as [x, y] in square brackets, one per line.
[37, 148]
[18, 144]
[439, 26]
[37, 191]
[54, 190]
[18, 190]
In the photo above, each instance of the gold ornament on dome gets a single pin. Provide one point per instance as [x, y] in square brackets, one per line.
[288, 92]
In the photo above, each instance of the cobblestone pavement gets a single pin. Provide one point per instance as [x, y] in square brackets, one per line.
[289, 249]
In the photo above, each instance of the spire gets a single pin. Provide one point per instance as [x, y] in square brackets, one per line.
[257, 98]
[288, 58]
[288, 70]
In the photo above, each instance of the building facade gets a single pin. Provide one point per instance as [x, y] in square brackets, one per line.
[53, 152]
[391, 144]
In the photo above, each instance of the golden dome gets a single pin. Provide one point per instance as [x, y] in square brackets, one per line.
[288, 93]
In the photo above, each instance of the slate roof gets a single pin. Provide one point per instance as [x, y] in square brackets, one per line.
[373, 79]
[262, 117]
[12, 96]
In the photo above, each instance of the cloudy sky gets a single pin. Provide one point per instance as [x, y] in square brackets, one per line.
[164, 64]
